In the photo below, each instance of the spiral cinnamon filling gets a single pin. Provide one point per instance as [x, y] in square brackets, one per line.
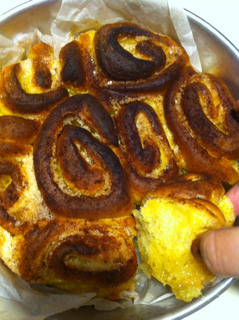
[89, 258]
[120, 64]
[10, 196]
[20, 102]
[126, 61]
[16, 136]
[118, 201]
[208, 140]
[219, 143]
[78, 173]
[97, 253]
[146, 155]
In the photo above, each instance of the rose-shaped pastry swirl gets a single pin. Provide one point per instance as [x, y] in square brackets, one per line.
[199, 111]
[31, 88]
[115, 200]
[120, 64]
[20, 102]
[95, 253]
[123, 61]
[154, 66]
[146, 155]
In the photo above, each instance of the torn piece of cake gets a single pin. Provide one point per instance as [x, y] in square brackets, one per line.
[171, 218]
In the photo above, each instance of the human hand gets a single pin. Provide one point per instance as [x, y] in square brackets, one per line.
[219, 249]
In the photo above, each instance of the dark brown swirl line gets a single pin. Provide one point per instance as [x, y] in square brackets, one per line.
[120, 64]
[146, 157]
[50, 247]
[141, 151]
[41, 56]
[75, 169]
[20, 102]
[118, 202]
[142, 75]
[42, 75]
[72, 73]
[219, 143]
[16, 136]
[10, 196]
[208, 150]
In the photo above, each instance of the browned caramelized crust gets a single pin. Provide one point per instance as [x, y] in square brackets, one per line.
[146, 155]
[190, 186]
[117, 200]
[10, 196]
[70, 178]
[75, 169]
[12, 149]
[199, 112]
[12, 225]
[42, 75]
[20, 102]
[123, 61]
[41, 55]
[16, 135]
[99, 253]
[119, 64]
[18, 129]
[72, 72]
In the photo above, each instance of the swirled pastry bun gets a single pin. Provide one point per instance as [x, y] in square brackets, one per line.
[85, 136]
[124, 62]
[144, 149]
[202, 128]
[75, 255]
[65, 211]
[171, 218]
[31, 88]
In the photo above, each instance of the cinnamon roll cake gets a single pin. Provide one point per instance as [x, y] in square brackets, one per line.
[85, 136]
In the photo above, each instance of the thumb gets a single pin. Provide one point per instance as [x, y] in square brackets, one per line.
[220, 251]
[233, 195]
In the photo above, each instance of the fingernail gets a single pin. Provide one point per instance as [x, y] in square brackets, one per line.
[195, 249]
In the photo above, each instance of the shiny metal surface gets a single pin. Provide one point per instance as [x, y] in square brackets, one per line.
[218, 56]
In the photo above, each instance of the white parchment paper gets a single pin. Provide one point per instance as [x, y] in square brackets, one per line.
[19, 300]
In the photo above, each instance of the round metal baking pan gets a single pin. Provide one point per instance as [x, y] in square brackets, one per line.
[218, 56]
